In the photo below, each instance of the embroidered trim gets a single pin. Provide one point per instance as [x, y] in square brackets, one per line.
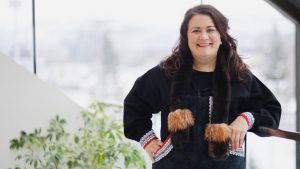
[154, 138]
[211, 101]
[238, 152]
[250, 119]
[147, 138]
[246, 118]
[164, 150]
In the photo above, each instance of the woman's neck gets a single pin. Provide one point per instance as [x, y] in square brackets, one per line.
[204, 67]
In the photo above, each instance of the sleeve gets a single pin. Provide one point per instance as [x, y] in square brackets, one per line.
[264, 106]
[141, 102]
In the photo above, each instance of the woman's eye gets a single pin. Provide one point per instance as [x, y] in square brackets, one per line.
[196, 30]
[210, 30]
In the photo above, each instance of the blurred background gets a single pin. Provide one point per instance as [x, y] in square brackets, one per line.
[96, 49]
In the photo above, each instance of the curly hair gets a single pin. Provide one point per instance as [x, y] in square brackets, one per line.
[228, 59]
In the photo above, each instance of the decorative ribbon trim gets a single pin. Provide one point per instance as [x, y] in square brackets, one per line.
[211, 102]
[147, 138]
[164, 150]
[238, 152]
[249, 118]
[154, 138]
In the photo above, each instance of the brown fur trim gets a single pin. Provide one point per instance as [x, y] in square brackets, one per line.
[217, 132]
[218, 151]
[180, 119]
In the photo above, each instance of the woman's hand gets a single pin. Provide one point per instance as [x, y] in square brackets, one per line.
[239, 129]
[152, 147]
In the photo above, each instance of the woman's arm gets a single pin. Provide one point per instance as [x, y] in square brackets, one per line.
[141, 102]
[264, 107]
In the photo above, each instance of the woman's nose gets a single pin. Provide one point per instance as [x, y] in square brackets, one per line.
[203, 35]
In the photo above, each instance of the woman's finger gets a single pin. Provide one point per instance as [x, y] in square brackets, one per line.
[152, 148]
[236, 140]
[159, 143]
[151, 156]
[155, 147]
[241, 140]
[232, 139]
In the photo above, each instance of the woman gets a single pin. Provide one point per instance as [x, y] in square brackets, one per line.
[207, 97]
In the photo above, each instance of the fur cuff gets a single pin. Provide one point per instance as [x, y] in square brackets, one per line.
[180, 119]
[218, 137]
[219, 133]
[218, 151]
[179, 123]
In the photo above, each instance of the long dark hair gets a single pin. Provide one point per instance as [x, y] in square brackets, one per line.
[228, 59]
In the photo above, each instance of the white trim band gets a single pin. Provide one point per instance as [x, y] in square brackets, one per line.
[147, 137]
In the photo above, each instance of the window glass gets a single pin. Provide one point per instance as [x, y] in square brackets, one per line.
[16, 31]
[266, 42]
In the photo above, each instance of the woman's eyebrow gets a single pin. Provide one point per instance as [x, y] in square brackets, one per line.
[197, 27]
[210, 26]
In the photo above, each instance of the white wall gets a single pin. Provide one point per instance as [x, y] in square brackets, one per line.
[270, 152]
[26, 103]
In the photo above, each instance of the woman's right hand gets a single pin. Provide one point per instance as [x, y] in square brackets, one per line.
[152, 147]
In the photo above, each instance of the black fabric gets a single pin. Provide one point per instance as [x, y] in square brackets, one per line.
[221, 93]
[145, 98]
[180, 86]
[151, 94]
[195, 154]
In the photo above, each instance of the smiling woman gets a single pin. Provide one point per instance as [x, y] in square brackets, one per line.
[207, 96]
[88, 50]
[204, 41]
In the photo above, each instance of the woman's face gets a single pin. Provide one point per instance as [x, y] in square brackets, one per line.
[204, 39]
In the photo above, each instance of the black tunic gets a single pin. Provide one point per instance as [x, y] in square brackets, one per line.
[151, 94]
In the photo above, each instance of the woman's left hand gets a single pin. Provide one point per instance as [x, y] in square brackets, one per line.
[239, 129]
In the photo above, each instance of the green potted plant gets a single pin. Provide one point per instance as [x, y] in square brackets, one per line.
[98, 144]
